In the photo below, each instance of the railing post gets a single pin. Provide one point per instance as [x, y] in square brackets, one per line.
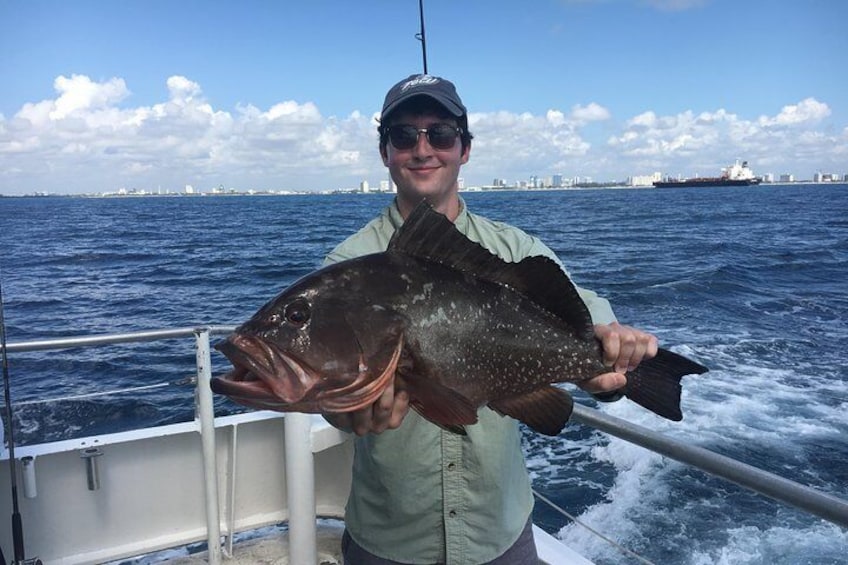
[206, 418]
[300, 489]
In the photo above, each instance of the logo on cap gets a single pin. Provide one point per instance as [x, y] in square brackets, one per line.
[422, 80]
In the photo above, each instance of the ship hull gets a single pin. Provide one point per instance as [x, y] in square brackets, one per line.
[706, 182]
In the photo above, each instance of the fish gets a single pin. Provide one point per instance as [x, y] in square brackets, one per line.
[440, 316]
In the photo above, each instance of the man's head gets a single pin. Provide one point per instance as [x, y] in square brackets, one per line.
[418, 93]
[424, 140]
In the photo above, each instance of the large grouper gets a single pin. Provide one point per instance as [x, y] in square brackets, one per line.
[455, 326]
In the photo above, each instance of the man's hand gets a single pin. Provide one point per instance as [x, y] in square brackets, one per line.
[386, 413]
[624, 348]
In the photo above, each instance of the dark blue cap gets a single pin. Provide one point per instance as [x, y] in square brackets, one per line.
[441, 90]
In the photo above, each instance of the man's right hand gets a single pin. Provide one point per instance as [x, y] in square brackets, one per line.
[386, 413]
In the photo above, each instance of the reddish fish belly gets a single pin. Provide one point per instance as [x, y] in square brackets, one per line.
[267, 378]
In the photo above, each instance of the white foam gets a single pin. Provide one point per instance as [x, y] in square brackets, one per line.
[777, 545]
[759, 411]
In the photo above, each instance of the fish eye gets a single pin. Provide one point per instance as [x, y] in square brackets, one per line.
[297, 312]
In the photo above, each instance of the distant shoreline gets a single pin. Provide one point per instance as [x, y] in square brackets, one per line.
[598, 186]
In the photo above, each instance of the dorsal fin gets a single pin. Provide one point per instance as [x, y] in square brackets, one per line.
[427, 234]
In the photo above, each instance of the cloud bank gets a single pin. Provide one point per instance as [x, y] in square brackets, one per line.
[90, 138]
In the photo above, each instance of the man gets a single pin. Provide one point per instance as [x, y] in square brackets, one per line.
[421, 494]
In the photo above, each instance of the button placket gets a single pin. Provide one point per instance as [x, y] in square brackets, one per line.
[453, 498]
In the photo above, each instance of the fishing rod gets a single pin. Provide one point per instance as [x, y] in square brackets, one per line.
[17, 524]
[420, 36]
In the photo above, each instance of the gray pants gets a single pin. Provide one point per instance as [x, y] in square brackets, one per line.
[522, 552]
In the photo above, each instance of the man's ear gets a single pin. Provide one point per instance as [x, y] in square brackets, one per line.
[384, 153]
[466, 153]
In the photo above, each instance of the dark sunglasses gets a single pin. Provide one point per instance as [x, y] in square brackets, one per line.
[439, 136]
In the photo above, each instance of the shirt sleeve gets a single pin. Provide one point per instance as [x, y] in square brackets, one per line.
[373, 238]
[599, 307]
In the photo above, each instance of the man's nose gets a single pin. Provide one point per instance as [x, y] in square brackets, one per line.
[422, 145]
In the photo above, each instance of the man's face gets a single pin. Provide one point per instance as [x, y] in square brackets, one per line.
[422, 171]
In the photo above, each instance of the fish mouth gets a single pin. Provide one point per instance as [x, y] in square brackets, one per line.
[268, 378]
[262, 373]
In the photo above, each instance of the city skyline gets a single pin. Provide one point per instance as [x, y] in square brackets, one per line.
[265, 97]
[534, 182]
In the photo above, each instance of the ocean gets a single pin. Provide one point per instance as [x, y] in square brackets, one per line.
[750, 282]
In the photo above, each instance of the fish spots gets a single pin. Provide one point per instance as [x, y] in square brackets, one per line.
[436, 317]
[425, 294]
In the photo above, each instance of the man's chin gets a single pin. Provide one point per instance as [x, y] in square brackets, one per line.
[419, 191]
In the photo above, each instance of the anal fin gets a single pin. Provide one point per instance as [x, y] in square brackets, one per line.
[545, 410]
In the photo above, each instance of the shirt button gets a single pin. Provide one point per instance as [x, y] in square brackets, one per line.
[452, 513]
[451, 466]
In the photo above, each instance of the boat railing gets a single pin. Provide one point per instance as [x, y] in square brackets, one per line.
[299, 456]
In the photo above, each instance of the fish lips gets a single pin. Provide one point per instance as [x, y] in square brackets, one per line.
[262, 374]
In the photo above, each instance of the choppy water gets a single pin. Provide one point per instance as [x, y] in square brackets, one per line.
[748, 281]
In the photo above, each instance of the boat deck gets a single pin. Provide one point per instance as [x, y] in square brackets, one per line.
[273, 549]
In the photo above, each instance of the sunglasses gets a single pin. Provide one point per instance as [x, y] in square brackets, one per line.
[439, 136]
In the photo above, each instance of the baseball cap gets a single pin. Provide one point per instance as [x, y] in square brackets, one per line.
[441, 90]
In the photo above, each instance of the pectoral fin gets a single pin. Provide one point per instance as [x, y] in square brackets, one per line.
[439, 404]
[545, 410]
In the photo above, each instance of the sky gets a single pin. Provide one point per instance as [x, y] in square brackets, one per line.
[96, 96]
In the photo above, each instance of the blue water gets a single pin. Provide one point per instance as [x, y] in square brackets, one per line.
[748, 281]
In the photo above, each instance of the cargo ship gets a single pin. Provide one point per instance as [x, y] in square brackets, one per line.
[734, 175]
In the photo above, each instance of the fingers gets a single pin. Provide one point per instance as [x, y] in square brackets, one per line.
[625, 347]
[381, 413]
[399, 409]
[386, 413]
[606, 382]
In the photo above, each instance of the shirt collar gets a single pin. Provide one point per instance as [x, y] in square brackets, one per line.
[461, 221]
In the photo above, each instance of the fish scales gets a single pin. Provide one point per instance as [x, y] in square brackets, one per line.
[494, 342]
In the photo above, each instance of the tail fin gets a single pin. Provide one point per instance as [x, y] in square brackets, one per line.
[655, 383]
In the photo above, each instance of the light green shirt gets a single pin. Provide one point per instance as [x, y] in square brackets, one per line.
[424, 495]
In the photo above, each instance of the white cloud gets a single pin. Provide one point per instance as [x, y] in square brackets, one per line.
[808, 110]
[293, 112]
[91, 138]
[80, 93]
[181, 89]
[643, 120]
[687, 143]
[591, 113]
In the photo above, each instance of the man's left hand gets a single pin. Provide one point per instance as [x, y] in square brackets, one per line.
[624, 348]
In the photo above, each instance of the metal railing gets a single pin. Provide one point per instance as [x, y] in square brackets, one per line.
[205, 412]
[784, 490]
[300, 485]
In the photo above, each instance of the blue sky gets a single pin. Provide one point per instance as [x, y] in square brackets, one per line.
[97, 96]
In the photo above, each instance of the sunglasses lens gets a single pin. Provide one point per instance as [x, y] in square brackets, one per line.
[403, 137]
[442, 136]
